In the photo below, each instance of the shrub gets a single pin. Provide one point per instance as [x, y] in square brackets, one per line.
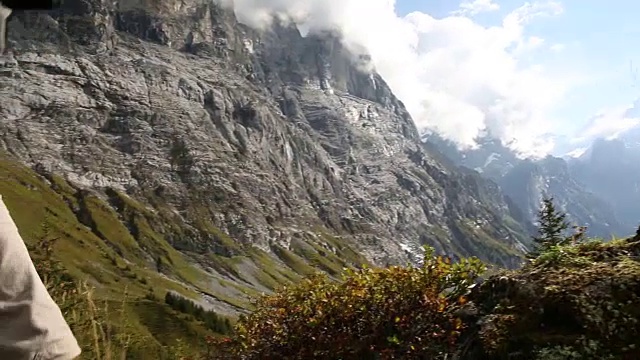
[390, 313]
[561, 255]
[572, 302]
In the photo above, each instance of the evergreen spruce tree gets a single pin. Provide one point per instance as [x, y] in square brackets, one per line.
[551, 229]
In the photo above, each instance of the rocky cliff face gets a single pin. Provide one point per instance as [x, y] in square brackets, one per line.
[236, 139]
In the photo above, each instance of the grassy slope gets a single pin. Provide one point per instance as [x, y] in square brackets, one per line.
[118, 245]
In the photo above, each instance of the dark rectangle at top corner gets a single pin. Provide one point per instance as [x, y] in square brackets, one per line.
[31, 4]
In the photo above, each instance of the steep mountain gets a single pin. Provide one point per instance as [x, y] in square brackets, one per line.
[611, 168]
[530, 181]
[219, 160]
[490, 158]
[527, 181]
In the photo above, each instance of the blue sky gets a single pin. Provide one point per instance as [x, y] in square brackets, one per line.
[600, 40]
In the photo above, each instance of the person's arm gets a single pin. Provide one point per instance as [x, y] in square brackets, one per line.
[31, 324]
[5, 12]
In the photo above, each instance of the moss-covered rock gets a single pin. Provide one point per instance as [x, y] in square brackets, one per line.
[577, 301]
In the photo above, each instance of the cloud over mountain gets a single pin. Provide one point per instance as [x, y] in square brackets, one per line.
[456, 76]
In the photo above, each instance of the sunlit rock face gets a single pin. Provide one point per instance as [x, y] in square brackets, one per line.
[267, 135]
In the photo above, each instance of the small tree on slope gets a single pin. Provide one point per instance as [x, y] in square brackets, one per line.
[551, 229]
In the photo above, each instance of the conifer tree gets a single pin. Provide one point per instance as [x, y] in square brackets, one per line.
[551, 229]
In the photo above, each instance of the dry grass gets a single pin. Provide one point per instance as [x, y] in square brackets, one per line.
[86, 316]
[91, 319]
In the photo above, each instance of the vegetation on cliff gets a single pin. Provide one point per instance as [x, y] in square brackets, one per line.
[577, 299]
[394, 312]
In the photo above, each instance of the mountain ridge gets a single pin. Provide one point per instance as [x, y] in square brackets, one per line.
[571, 182]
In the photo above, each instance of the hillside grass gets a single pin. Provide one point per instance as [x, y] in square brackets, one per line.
[117, 252]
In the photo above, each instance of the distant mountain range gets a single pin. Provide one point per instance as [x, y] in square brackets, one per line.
[598, 187]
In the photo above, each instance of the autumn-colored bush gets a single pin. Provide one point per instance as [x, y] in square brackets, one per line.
[389, 313]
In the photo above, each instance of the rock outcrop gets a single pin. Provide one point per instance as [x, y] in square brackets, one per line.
[578, 302]
[234, 138]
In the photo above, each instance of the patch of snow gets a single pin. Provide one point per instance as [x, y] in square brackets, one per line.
[248, 44]
[521, 247]
[416, 253]
[352, 113]
[491, 158]
[577, 152]
[288, 151]
[373, 81]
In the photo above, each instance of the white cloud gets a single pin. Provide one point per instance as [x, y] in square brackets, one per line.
[610, 123]
[528, 45]
[471, 8]
[455, 76]
[557, 47]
